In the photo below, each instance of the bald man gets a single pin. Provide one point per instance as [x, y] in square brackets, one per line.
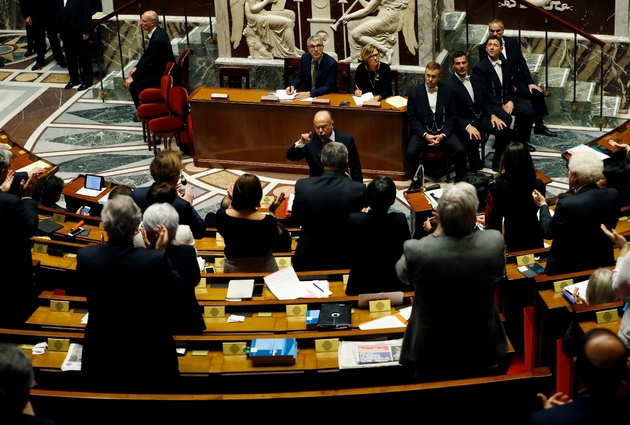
[600, 365]
[310, 146]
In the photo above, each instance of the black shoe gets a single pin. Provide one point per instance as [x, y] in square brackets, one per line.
[62, 63]
[543, 130]
[83, 87]
[70, 85]
[136, 119]
[530, 147]
[38, 65]
[28, 53]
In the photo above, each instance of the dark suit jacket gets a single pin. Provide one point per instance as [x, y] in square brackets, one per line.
[366, 233]
[75, 17]
[321, 206]
[130, 294]
[19, 219]
[578, 241]
[326, 80]
[312, 151]
[518, 64]
[188, 317]
[494, 93]
[420, 117]
[586, 409]
[469, 110]
[187, 213]
[151, 65]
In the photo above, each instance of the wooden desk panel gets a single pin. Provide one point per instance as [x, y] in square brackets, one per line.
[246, 134]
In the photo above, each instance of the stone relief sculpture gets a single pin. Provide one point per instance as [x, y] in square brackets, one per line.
[380, 30]
[269, 33]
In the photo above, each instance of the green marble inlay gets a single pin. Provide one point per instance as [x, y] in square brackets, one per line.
[564, 141]
[552, 167]
[133, 180]
[98, 138]
[110, 115]
[100, 162]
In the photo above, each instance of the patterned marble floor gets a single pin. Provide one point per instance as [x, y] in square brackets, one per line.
[84, 135]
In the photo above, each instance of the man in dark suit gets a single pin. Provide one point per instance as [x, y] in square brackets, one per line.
[523, 82]
[497, 84]
[578, 242]
[600, 366]
[321, 206]
[149, 70]
[311, 144]
[472, 115]
[122, 310]
[431, 115]
[318, 72]
[167, 167]
[19, 217]
[75, 26]
[40, 17]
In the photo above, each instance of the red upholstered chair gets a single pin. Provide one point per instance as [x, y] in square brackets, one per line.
[148, 111]
[183, 68]
[152, 95]
[186, 138]
[172, 126]
[343, 77]
[291, 68]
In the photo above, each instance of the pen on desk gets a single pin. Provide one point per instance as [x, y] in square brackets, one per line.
[315, 285]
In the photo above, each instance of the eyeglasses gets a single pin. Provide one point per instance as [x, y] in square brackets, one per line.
[495, 31]
[315, 46]
[375, 56]
[321, 127]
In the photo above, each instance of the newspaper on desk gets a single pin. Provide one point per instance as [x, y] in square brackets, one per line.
[73, 359]
[365, 354]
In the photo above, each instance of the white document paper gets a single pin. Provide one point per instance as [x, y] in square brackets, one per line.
[348, 354]
[317, 288]
[90, 192]
[73, 359]
[240, 288]
[363, 98]
[584, 148]
[40, 164]
[85, 319]
[235, 318]
[397, 101]
[283, 96]
[581, 285]
[285, 285]
[387, 322]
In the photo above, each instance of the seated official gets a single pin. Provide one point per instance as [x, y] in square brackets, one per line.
[137, 282]
[372, 76]
[510, 207]
[374, 234]
[600, 366]
[311, 144]
[481, 183]
[615, 176]
[318, 72]
[248, 234]
[16, 380]
[160, 193]
[463, 264]
[49, 191]
[321, 206]
[160, 225]
[578, 243]
[167, 167]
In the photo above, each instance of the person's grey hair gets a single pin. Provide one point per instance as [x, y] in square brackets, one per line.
[587, 166]
[121, 217]
[16, 378]
[496, 21]
[5, 158]
[314, 37]
[334, 155]
[154, 17]
[163, 214]
[457, 209]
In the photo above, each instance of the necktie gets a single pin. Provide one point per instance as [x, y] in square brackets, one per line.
[431, 90]
[315, 69]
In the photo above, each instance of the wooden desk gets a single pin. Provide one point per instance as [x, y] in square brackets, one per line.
[245, 134]
[74, 200]
[621, 134]
[23, 158]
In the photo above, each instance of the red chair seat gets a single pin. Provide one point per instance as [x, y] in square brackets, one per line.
[151, 96]
[166, 125]
[150, 111]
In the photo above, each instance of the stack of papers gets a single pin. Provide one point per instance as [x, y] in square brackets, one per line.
[398, 320]
[239, 289]
[584, 148]
[283, 96]
[285, 285]
[363, 98]
[363, 354]
[73, 359]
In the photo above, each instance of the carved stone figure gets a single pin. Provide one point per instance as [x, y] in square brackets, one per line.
[269, 33]
[380, 30]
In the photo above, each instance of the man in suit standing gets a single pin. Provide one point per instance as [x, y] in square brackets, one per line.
[119, 272]
[39, 16]
[311, 144]
[473, 116]
[497, 82]
[431, 115]
[321, 206]
[578, 242]
[75, 26]
[19, 217]
[600, 365]
[318, 72]
[523, 82]
[149, 70]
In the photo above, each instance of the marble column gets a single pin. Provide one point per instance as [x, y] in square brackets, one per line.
[223, 28]
[621, 18]
[428, 19]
